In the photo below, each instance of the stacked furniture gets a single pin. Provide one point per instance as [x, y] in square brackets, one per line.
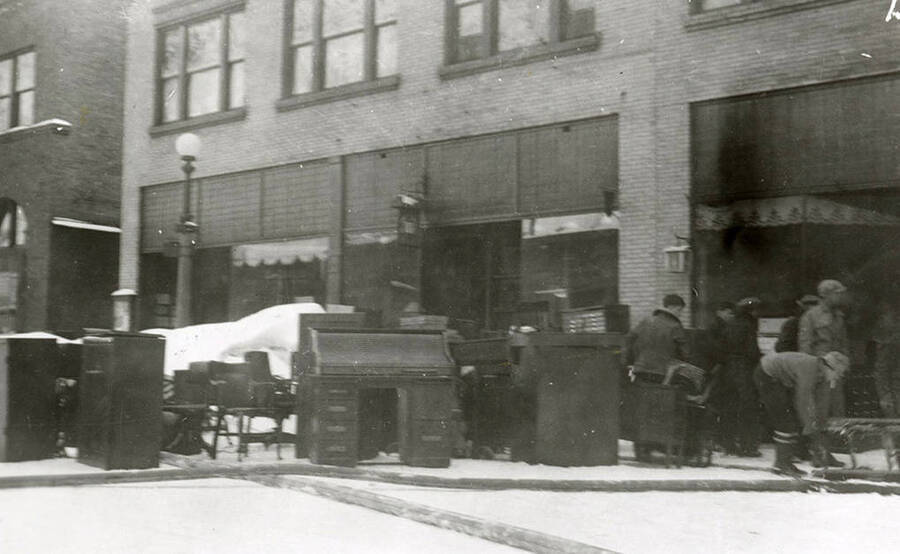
[120, 400]
[343, 363]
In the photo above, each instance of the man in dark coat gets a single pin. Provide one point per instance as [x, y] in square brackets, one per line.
[657, 341]
[790, 385]
[656, 349]
[788, 338]
[741, 418]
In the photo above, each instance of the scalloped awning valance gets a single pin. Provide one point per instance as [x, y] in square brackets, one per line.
[286, 252]
[786, 210]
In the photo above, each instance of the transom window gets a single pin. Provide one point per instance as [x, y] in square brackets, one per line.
[208, 75]
[17, 90]
[338, 42]
[483, 28]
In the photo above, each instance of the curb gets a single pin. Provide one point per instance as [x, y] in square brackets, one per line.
[570, 485]
[509, 535]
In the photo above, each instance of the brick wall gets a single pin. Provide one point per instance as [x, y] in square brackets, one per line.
[796, 43]
[614, 79]
[79, 77]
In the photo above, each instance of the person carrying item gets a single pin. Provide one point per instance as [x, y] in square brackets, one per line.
[790, 385]
[788, 338]
[656, 349]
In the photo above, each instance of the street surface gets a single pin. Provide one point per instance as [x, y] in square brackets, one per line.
[215, 516]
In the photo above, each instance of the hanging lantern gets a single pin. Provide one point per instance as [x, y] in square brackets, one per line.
[409, 218]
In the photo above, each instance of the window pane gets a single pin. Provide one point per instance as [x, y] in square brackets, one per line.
[303, 73]
[171, 99]
[236, 36]
[21, 226]
[342, 15]
[203, 44]
[386, 62]
[303, 14]
[470, 20]
[577, 19]
[5, 77]
[203, 92]
[25, 71]
[236, 86]
[171, 53]
[26, 108]
[344, 60]
[523, 23]
[6, 230]
[4, 113]
[713, 4]
[385, 10]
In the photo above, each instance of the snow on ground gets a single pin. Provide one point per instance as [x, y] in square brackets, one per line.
[51, 466]
[671, 523]
[217, 516]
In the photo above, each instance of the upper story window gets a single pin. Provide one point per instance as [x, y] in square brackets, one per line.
[698, 6]
[339, 42]
[201, 67]
[13, 225]
[483, 28]
[17, 90]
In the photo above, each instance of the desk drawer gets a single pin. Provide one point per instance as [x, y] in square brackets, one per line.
[328, 428]
[333, 452]
[336, 408]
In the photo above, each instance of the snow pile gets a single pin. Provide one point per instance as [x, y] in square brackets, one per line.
[274, 330]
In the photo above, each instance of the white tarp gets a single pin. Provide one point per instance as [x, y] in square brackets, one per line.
[274, 330]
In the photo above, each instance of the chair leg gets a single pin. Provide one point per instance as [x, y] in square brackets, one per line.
[240, 448]
[214, 447]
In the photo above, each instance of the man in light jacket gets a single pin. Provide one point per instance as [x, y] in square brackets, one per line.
[790, 385]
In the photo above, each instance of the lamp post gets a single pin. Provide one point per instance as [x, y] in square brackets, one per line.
[187, 146]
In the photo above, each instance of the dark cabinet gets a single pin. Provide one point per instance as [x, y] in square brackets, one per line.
[120, 421]
[567, 396]
[28, 370]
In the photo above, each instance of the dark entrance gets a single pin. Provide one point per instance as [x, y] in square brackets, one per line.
[471, 273]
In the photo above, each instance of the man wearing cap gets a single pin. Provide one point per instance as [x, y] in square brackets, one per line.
[822, 330]
[790, 386]
[788, 338]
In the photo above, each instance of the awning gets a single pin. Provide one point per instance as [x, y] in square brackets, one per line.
[286, 252]
[560, 225]
[786, 210]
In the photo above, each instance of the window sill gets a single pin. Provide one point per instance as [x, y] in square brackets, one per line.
[759, 9]
[49, 126]
[343, 92]
[207, 120]
[521, 56]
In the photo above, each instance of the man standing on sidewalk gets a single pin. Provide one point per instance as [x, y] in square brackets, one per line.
[790, 385]
[822, 330]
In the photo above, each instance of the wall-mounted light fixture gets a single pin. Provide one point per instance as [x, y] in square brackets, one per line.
[677, 256]
[409, 206]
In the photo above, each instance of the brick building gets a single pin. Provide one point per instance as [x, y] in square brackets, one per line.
[558, 148]
[778, 122]
[525, 130]
[60, 162]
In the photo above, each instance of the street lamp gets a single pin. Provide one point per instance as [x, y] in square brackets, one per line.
[188, 147]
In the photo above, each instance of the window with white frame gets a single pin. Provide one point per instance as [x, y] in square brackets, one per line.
[201, 67]
[483, 28]
[338, 42]
[17, 90]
